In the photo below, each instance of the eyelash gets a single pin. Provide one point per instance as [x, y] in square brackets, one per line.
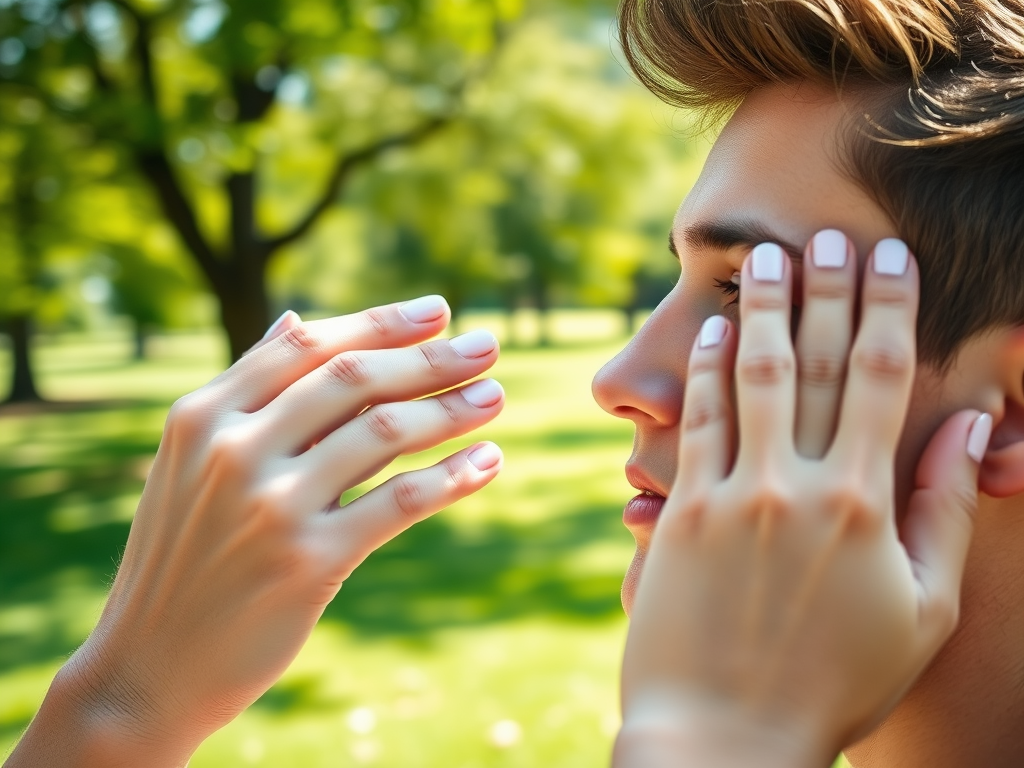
[729, 288]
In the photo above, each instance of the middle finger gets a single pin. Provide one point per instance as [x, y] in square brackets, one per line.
[823, 341]
[339, 390]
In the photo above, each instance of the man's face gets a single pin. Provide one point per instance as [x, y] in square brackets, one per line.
[773, 174]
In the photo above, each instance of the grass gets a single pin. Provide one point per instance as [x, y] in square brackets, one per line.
[489, 635]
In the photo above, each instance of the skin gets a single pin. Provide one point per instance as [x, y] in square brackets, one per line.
[775, 163]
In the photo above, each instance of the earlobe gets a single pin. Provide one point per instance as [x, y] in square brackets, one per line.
[1002, 471]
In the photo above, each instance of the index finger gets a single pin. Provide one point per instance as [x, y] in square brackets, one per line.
[267, 371]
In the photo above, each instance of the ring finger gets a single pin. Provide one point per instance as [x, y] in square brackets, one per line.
[364, 446]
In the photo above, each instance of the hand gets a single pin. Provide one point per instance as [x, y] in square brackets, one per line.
[781, 612]
[239, 543]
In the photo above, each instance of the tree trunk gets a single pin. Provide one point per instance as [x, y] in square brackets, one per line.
[23, 386]
[139, 338]
[244, 304]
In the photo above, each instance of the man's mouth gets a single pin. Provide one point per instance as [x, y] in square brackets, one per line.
[642, 510]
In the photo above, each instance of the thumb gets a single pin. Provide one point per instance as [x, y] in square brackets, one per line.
[940, 519]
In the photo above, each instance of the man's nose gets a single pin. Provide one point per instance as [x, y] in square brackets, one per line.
[643, 383]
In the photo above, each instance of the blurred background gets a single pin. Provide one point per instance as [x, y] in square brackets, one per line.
[176, 173]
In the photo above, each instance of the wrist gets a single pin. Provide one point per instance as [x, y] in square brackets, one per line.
[84, 723]
[660, 736]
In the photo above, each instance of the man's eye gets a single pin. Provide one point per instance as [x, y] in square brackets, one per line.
[731, 288]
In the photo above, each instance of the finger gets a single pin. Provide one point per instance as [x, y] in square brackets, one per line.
[940, 519]
[262, 375]
[341, 388]
[823, 341]
[881, 367]
[765, 380]
[706, 430]
[364, 446]
[378, 516]
[285, 322]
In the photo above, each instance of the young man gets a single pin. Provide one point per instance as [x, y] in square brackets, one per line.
[778, 616]
[882, 119]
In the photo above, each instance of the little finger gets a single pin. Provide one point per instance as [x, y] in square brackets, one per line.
[378, 516]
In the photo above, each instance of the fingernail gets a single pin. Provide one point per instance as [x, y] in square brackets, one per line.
[891, 257]
[483, 393]
[474, 344]
[978, 437]
[424, 309]
[278, 323]
[829, 249]
[485, 457]
[712, 332]
[767, 263]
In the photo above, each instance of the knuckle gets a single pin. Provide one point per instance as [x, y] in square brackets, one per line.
[828, 291]
[765, 369]
[377, 321]
[702, 413]
[348, 368]
[300, 338]
[888, 296]
[685, 521]
[769, 499]
[383, 424]
[766, 301]
[448, 409]
[408, 497]
[189, 414]
[705, 364]
[229, 450]
[432, 355]
[821, 370]
[882, 362]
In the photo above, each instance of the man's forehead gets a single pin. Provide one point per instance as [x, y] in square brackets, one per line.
[777, 164]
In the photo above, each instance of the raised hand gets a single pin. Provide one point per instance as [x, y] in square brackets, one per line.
[782, 611]
[239, 542]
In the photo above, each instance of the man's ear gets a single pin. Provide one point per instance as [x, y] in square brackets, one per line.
[1002, 471]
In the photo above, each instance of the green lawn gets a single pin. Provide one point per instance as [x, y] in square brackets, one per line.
[489, 635]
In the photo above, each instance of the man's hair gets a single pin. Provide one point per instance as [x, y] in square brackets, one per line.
[941, 148]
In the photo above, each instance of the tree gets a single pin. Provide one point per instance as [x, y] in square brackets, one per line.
[194, 91]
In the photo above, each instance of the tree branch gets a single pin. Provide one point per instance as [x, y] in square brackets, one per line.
[158, 170]
[345, 166]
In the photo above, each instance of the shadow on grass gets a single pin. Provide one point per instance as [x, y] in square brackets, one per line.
[432, 577]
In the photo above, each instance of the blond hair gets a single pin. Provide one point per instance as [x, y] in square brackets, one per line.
[941, 148]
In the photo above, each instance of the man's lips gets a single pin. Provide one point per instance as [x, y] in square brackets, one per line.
[642, 511]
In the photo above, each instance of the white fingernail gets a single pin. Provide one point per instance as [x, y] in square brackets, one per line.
[483, 393]
[474, 344]
[978, 437]
[891, 257]
[424, 309]
[829, 249]
[712, 332]
[485, 457]
[767, 263]
[278, 323]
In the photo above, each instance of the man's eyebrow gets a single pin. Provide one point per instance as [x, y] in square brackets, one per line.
[724, 235]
